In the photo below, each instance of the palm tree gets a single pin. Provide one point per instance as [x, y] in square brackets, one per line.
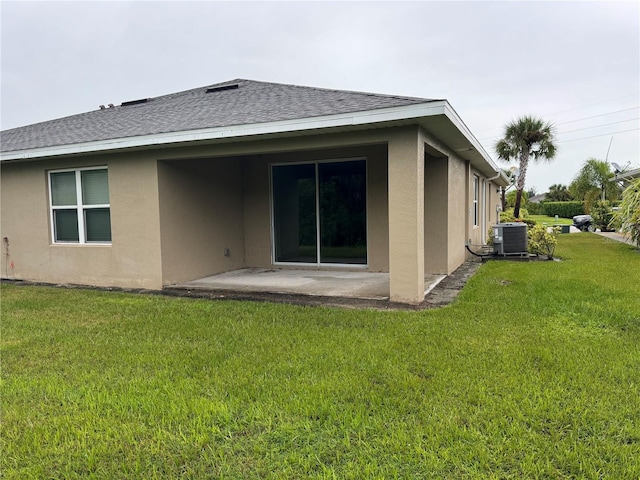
[526, 138]
[628, 216]
[558, 193]
[593, 182]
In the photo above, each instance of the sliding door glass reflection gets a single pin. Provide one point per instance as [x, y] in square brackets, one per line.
[343, 220]
[331, 196]
[294, 213]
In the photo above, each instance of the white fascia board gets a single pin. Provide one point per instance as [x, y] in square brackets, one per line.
[462, 127]
[437, 107]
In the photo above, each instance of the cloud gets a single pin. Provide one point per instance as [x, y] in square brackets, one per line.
[493, 61]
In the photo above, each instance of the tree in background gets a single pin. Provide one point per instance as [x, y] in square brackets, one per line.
[628, 215]
[524, 139]
[511, 199]
[511, 175]
[558, 193]
[592, 182]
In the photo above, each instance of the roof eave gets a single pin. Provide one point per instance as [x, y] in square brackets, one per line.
[626, 176]
[352, 119]
[362, 119]
[478, 153]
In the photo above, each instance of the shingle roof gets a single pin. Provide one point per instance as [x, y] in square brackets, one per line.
[251, 102]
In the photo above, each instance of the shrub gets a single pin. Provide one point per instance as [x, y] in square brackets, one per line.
[507, 216]
[510, 199]
[563, 209]
[628, 216]
[542, 240]
[602, 215]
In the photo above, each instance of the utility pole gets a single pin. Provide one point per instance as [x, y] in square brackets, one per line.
[606, 159]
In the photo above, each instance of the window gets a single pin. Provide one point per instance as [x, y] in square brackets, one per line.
[319, 213]
[80, 211]
[476, 195]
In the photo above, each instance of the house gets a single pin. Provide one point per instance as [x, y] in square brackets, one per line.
[541, 197]
[243, 173]
[625, 177]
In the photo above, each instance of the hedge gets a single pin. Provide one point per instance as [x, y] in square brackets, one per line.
[535, 208]
[563, 209]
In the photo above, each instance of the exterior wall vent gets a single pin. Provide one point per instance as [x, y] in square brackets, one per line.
[134, 102]
[222, 88]
[510, 239]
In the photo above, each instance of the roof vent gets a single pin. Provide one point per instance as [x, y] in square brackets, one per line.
[134, 102]
[233, 86]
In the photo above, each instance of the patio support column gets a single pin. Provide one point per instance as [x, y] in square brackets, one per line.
[406, 216]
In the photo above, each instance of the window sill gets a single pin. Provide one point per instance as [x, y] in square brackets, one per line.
[92, 244]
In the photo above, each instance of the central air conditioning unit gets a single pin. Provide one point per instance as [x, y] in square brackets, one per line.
[510, 239]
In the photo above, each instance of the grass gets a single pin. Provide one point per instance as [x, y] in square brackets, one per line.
[534, 372]
[551, 220]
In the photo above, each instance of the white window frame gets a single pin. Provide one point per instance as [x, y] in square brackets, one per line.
[79, 207]
[476, 195]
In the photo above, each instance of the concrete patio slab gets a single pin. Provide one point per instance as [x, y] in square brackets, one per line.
[359, 285]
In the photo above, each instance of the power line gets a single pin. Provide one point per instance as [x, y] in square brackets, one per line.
[599, 135]
[597, 103]
[598, 126]
[585, 118]
[595, 116]
[574, 108]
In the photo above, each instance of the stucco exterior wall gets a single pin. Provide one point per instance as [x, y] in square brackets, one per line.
[201, 212]
[488, 200]
[436, 218]
[133, 258]
[475, 231]
[378, 209]
[257, 201]
[248, 188]
[406, 215]
[449, 177]
[257, 213]
[493, 203]
[174, 210]
[458, 212]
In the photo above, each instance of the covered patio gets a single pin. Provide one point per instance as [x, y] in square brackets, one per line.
[277, 217]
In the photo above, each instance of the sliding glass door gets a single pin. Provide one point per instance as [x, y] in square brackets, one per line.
[343, 221]
[294, 213]
[319, 212]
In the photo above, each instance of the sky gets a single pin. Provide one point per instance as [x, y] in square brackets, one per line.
[575, 64]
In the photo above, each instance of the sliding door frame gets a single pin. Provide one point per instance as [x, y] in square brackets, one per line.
[318, 262]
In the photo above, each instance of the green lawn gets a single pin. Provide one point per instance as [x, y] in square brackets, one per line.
[534, 372]
[551, 220]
